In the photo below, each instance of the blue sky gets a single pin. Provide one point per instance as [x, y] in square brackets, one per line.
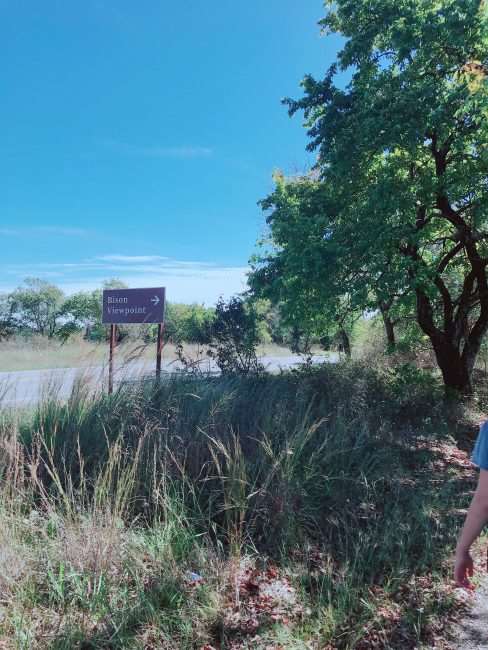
[137, 138]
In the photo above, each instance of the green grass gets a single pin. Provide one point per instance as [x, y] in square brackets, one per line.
[318, 509]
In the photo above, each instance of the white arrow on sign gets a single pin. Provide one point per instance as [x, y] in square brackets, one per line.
[155, 300]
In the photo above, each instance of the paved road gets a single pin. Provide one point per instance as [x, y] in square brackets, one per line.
[28, 386]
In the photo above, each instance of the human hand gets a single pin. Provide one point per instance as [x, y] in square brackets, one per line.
[463, 568]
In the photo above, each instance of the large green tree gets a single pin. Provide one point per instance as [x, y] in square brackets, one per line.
[298, 267]
[37, 306]
[403, 151]
[82, 310]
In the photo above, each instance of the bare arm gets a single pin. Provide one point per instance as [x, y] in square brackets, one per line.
[475, 520]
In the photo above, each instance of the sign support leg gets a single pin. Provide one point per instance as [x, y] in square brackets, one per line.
[111, 360]
[159, 350]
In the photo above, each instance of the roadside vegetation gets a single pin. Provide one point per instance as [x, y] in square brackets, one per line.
[317, 508]
[312, 509]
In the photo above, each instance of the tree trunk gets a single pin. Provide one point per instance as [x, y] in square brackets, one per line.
[346, 345]
[457, 345]
[456, 342]
[389, 327]
[295, 339]
[455, 367]
[390, 331]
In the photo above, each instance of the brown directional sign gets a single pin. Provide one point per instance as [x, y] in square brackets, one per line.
[133, 305]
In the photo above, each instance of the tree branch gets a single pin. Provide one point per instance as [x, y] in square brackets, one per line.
[450, 255]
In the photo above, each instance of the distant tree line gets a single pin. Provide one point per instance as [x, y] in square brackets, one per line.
[41, 308]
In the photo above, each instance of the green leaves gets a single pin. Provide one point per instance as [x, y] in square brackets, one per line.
[302, 272]
[37, 306]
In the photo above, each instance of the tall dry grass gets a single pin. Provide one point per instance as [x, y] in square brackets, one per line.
[165, 515]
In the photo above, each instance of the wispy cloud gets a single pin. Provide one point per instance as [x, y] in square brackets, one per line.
[131, 259]
[45, 230]
[157, 151]
[186, 281]
[159, 260]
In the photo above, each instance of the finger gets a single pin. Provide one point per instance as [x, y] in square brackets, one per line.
[463, 583]
[459, 577]
[460, 581]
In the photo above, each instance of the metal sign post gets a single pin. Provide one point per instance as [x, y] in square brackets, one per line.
[133, 306]
[111, 359]
[159, 350]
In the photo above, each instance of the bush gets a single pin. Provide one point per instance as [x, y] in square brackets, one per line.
[234, 335]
